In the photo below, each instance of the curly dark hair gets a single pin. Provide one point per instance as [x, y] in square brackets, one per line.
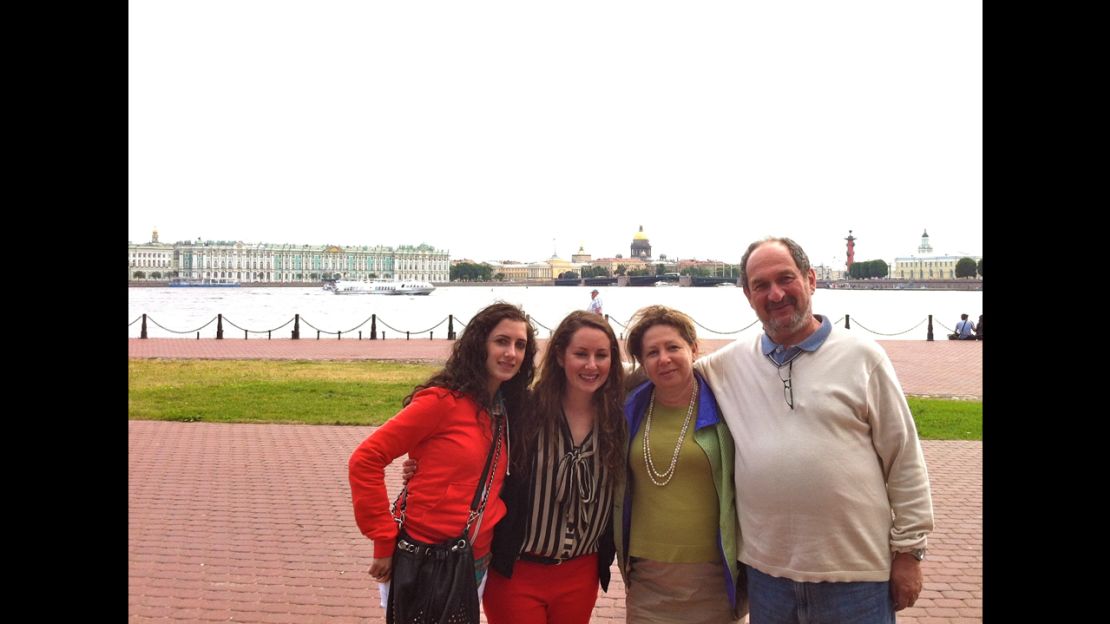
[465, 371]
[547, 396]
[647, 317]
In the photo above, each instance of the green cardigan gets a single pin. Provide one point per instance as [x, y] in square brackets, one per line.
[713, 436]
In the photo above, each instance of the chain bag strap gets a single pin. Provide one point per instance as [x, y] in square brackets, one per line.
[481, 495]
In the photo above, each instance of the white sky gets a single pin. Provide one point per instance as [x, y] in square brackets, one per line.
[507, 130]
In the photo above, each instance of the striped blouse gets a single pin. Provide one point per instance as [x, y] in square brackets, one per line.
[571, 496]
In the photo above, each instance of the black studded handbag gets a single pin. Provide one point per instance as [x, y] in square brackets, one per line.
[435, 583]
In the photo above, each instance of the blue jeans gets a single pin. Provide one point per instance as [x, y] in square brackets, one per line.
[777, 600]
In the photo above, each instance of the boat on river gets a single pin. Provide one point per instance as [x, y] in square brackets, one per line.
[382, 287]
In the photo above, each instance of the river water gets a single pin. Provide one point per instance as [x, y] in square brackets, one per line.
[721, 312]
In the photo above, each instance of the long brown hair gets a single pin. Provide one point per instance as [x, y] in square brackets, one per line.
[547, 396]
[465, 371]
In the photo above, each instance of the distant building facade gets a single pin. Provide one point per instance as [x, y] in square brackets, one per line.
[284, 263]
[829, 273]
[153, 260]
[523, 271]
[927, 266]
[714, 268]
[613, 264]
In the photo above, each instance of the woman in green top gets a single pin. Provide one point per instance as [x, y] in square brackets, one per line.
[675, 520]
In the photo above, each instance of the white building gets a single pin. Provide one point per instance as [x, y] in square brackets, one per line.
[283, 263]
[927, 266]
[153, 260]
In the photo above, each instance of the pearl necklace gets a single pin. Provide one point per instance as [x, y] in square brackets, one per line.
[666, 476]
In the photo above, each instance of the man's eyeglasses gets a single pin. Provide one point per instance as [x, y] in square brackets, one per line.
[788, 383]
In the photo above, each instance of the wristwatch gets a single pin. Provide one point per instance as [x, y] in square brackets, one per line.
[918, 554]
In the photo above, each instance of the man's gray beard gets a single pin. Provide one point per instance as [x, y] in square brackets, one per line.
[796, 322]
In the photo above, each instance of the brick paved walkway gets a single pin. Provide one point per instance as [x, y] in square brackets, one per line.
[253, 523]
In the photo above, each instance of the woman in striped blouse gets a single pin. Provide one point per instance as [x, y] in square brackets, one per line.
[555, 545]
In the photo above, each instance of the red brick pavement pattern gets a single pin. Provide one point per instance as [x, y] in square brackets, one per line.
[940, 368]
[253, 523]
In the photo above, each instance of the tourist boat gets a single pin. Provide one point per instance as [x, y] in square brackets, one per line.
[382, 287]
[205, 282]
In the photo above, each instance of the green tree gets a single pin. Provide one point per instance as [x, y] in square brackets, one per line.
[156, 275]
[139, 275]
[867, 269]
[568, 275]
[660, 269]
[500, 277]
[965, 267]
[979, 267]
[637, 272]
[622, 269]
[471, 272]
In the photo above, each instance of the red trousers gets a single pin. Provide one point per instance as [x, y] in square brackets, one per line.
[543, 594]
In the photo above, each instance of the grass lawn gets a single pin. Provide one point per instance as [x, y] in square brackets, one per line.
[947, 419]
[363, 392]
[269, 391]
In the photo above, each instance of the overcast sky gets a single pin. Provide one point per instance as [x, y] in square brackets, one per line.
[512, 130]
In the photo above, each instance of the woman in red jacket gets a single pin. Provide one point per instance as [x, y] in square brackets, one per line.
[447, 424]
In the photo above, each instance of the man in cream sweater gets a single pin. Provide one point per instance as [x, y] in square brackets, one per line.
[831, 488]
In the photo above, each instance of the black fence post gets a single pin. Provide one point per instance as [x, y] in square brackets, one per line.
[143, 334]
[847, 321]
[450, 326]
[360, 334]
[244, 334]
[296, 327]
[268, 332]
[339, 335]
[929, 336]
[406, 335]
[219, 327]
[429, 335]
[374, 327]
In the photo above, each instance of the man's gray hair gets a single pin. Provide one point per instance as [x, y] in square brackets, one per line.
[796, 252]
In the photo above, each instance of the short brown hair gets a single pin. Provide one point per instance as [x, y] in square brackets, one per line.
[646, 318]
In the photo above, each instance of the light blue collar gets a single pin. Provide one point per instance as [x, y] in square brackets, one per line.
[781, 355]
